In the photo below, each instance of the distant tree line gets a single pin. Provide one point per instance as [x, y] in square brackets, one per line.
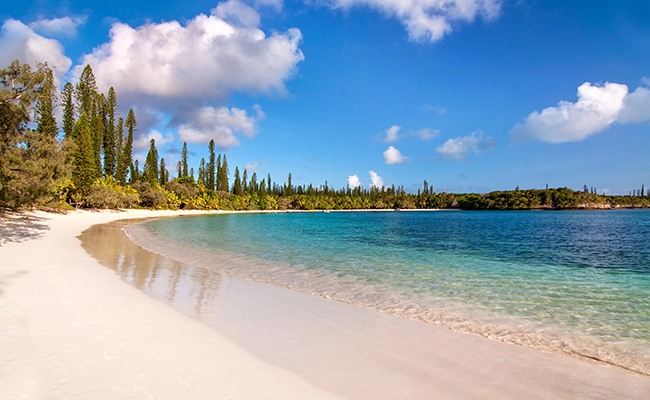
[89, 163]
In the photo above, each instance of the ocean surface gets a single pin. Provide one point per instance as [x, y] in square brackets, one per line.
[575, 282]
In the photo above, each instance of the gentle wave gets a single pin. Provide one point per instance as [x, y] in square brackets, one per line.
[628, 354]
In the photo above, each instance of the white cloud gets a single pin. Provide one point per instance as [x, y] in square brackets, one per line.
[636, 107]
[142, 143]
[211, 56]
[250, 167]
[645, 81]
[426, 134]
[237, 12]
[390, 134]
[393, 156]
[458, 148]
[597, 108]
[428, 20]
[65, 26]
[19, 42]
[219, 124]
[353, 181]
[376, 180]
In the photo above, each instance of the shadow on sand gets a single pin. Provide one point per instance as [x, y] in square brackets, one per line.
[17, 227]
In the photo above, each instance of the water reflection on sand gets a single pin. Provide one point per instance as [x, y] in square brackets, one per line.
[190, 289]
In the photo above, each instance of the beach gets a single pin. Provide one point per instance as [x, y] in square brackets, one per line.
[72, 328]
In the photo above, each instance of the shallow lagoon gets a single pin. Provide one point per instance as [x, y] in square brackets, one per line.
[574, 282]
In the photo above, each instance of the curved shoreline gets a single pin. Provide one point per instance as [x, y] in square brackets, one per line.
[349, 290]
[270, 343]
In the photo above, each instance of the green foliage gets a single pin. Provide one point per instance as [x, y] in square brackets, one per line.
[32, 169]
[150, 171]
[150, 196]
[109, 145]
[68, 109]
[106, 193]
[84, 167]
[44, 113]
[125, 161]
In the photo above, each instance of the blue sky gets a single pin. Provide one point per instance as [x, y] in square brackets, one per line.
[473, 95]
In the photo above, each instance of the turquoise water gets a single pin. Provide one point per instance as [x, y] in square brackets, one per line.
[574, 281]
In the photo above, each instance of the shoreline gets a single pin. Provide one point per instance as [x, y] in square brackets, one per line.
[70, 328]
[50, 347]
[456, 317]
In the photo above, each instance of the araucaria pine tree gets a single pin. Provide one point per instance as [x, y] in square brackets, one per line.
[84, 168]
[68, 109]
[210, 167]
[126, 162]
[44, 113]
[184, 172]
[110, 140]
[150, 171]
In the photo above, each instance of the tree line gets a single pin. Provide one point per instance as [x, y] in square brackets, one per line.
[87, 161]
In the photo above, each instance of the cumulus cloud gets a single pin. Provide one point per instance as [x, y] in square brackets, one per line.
[210, 56]
[429, 20]
[220, 124]
[353, 181]
[636, 107]
[426, 134]
[390, 134]
[596, 109]
[237, 12]
[375, 179]
[19, 42]
[142, 142]
[460, 147]
[393, 156]
[251, 166]
[65, 26]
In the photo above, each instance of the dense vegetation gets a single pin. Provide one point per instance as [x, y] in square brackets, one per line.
[89, 163]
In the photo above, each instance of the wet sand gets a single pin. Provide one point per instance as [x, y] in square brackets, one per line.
[71, 328]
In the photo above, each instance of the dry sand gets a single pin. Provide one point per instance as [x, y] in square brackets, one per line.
[72, 329]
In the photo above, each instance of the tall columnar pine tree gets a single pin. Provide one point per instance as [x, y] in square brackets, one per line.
[68, 109]
[119, 139]
[236, 186]
[135, 172]
[184, 172]
[44, 113]
[163, 176]
[210, 167]
[97, 128]
[224, 175]
[268, 182]
[84, 168]
[252, 187]
[85, 92]
[110, 139]
[150, 170]
[289, 185]
[126, 162]
[203, 180]
[244, 182]
[217, 174]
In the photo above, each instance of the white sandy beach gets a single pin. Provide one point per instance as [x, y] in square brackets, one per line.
[72, 329]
